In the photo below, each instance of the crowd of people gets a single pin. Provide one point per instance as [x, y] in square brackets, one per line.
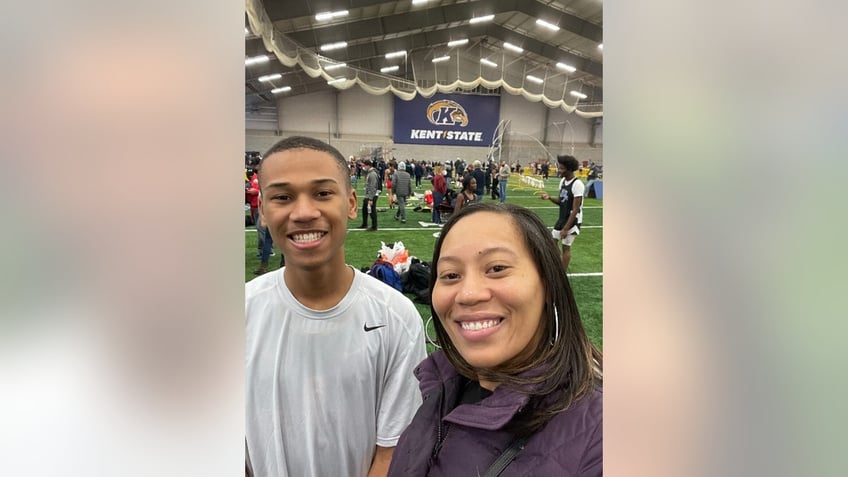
[436, 176]
[475, 180]
[338, 381]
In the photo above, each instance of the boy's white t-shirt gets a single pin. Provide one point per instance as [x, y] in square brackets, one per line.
[325, 387]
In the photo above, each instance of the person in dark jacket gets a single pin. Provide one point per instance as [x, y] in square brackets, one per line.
[402, 188]
[516, 369]
[372, 182]
[480, 176]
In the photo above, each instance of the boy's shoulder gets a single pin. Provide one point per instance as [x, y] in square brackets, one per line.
[261, 284]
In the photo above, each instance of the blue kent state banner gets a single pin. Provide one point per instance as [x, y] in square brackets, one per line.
[447, 120]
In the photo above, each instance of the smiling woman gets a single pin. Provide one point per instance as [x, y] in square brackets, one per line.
[486, 295]
[516, 370]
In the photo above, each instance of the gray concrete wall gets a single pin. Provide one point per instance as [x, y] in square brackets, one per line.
[354, 121]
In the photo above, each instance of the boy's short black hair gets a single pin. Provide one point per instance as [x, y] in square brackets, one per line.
[303, 142]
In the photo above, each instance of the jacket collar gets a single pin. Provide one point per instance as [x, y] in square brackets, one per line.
[491, 414]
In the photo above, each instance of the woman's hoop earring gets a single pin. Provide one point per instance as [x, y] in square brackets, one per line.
[556, 326]
[427, 335]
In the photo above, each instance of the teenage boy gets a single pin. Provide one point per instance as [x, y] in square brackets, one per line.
[330, 351]
[570, 201]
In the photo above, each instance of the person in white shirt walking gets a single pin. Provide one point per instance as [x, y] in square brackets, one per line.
[503, 180]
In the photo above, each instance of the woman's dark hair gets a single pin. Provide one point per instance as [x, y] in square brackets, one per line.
[562, 368]
[466, 181]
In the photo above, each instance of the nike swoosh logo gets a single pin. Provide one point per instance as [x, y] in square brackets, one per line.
[372, 328]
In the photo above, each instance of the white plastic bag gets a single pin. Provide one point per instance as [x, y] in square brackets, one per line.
[397, 255]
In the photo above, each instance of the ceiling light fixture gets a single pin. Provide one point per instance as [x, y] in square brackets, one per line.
[454, 43]
[578, 94]
[388, 69]
[549, 26]
[270, 77]
[335, 66]
[487, 62]
[566, 67]
[484, 18]
[600, 46]
[333, 46]
[337, 80]
[395, 54]
[284, 89]
[256, 60]
[330, 15]
[440, 59]
[418, 2]
[510, 46]
[535, 79]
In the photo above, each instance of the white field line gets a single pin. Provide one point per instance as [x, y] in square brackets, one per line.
[590, 274]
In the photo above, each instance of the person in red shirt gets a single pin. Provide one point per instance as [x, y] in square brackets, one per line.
[440, 188]
[253, 191]
[252, 195]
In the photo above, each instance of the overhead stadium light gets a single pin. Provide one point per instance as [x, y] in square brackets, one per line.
[395, 54]
[284, 89]
[549, 26]
[535, 79]
[454, 43]
[566, 67]
[578, 94]
[337, 80]
[510, 46]
[270, 77]
[335, 66]
[255, 60]
[484, 18]
[487, 62]
[333, 46]
[330, 15]
[388, 69]
[440, 59]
